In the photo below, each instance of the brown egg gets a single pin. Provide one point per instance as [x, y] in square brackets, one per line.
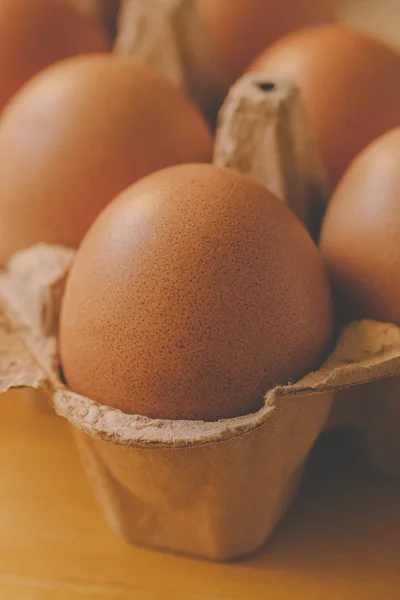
[360, 236]
[77, 135]
[241, 29]
[192, 294]
[350, 84]
[37, 33]
[105, 12]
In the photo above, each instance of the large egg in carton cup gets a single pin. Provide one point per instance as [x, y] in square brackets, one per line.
[216, 481]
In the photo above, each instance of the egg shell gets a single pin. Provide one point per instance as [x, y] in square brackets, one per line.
[350, 84]
[37, 33]
[241, 29]
[105, 12]
[361, 232]
[193, 294]
[77, 135]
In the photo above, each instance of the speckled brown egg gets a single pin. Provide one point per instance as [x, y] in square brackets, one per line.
[77, 135]
[360, 236]
[350, 84]
[37, 33]
[192, 294]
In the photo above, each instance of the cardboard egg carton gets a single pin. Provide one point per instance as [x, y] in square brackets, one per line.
[212, 489]
[215, 490]
[169, 35]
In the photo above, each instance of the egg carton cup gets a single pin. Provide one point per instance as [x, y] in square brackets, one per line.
[372, 410]
[210, 489]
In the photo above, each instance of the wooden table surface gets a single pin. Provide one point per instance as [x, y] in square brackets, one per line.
[341, 540]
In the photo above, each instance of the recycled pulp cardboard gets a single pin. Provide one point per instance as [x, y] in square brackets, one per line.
[215, 490]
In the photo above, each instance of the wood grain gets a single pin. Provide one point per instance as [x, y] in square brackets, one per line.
[341, 540]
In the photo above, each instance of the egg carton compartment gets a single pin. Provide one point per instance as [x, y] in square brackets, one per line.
[211, 489]
[371, 411]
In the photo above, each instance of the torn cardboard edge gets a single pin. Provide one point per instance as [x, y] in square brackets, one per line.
[366, 351]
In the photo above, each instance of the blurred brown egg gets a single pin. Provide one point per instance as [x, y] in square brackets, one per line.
[192, 294]
[105, 12]
[350, 84]
[77, 135]
[241, 29]
[360, 237]
[37, 33]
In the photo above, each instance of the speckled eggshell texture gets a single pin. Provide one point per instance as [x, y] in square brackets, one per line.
[193, 293]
